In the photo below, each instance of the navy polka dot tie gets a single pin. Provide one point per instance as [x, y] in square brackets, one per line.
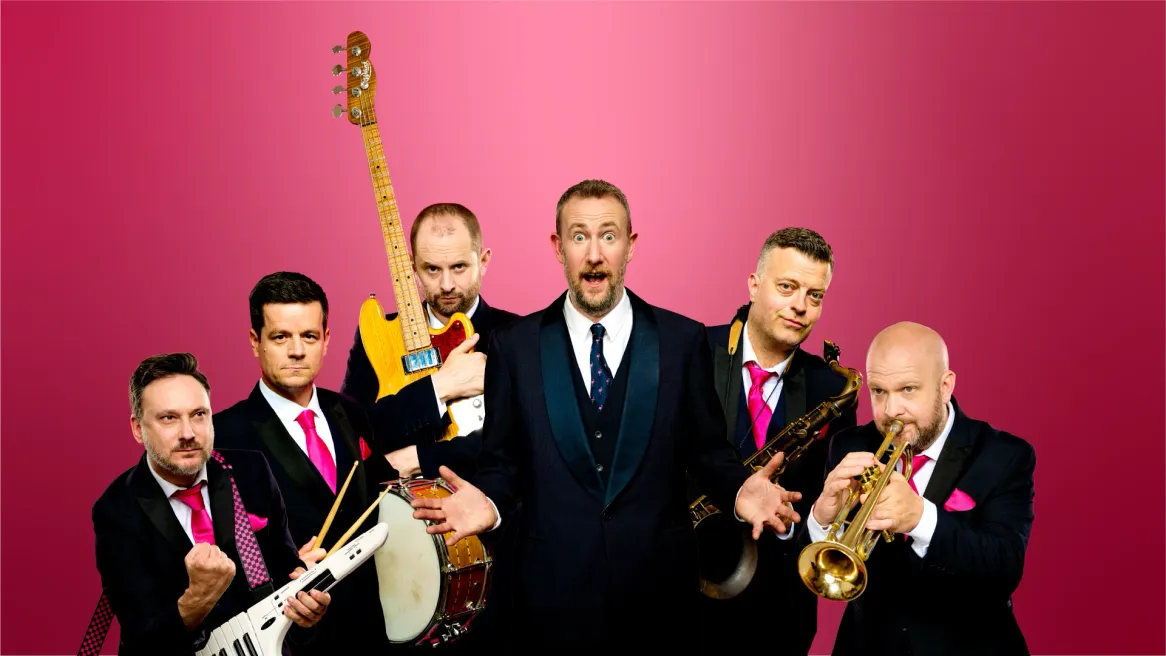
[600, 374]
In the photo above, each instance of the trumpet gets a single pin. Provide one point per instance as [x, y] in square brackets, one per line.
[721, 533]
[835, 567]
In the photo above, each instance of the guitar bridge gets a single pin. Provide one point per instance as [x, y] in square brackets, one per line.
[423, 359]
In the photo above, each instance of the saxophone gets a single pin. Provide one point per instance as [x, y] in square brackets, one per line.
[714, 528]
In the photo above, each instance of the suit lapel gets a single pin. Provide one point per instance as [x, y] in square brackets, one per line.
[729, 387]
[639, 408]
[157, 507]
[951, 461]
[347, 445]
[793, 389]
[556, 362]
[285, 452]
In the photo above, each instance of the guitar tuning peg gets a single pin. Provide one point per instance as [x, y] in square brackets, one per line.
[337, 89]
[337, 111]
[338, 69]
[336, 49]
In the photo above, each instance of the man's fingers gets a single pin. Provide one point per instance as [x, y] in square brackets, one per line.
[425, 502]
[438, 529]
[432, 515]
[451, 477]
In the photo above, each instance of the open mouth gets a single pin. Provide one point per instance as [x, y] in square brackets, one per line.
[594, 279]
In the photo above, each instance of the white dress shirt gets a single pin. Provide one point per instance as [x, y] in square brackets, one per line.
[770, 389]
[287, 411]
[925, 529]
[434, 322]
[183, 512]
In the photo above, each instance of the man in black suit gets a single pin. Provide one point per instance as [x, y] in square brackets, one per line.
[166, 540]
[311, 437]
[962, 521]
[449, 263]
[765, 381]
[592, 427]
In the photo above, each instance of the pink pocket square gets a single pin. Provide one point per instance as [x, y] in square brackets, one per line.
[959, 500]
[257, 522]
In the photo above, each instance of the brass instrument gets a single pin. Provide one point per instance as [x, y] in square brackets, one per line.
[835, 568]
[717, 529]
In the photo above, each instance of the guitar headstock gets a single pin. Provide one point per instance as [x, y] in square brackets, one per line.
[360, 80]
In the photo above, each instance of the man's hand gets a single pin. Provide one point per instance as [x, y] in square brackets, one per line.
[311, 556]
[466, 512]
[898, 509]
[305, 609]
[405, 461]
[838, 485]
[210, 572]
[764, 503]
[463, 373]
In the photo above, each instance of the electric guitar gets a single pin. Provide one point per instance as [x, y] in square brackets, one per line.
[405, 348]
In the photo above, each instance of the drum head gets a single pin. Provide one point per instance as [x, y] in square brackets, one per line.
[409, 570]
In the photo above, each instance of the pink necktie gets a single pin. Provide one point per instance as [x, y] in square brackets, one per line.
[758, 409]
[916, 463]
[317, 452]
[200, 520]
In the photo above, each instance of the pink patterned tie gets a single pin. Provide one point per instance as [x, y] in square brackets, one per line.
[758, 409]
[916, 463]
[200, 519]
[317, 452]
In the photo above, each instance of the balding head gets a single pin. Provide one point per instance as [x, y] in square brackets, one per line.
[909, 377]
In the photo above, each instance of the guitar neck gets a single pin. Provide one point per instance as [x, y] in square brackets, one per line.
[414, 326]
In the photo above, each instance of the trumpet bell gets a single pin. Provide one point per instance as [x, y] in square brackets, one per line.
[832, 571]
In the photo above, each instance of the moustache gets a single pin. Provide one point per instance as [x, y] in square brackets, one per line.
[185, 446]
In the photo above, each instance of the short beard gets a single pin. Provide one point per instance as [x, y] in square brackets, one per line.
[929, 433]
[163, 460]
[465, 301]
[603, 305]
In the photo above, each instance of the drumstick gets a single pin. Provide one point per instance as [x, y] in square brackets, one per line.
[357, 523]
[335, 506]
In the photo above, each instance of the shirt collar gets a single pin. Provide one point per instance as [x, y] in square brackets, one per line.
[614, 323]
[169, 488]
[747, 353]
[434, 322]
[287, 410]
[932, 452]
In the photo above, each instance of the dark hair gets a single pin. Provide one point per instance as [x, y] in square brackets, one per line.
[591, 189]
[805, 241]
[161, 366]
[451, 209]
[284, 287]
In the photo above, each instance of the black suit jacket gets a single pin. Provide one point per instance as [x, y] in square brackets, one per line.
[141, 550]
[776, 588]
[957, 599]
[600, 564]
[410, 417]
[355, 611]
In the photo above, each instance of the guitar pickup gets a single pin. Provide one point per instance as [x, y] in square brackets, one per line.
[423, 359]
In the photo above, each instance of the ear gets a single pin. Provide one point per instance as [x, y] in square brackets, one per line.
[631, 246]
[557, 244]
[254, 343]
[485, 260]
[136, 429]
[947, 386]
[327, 336]
[754, 285]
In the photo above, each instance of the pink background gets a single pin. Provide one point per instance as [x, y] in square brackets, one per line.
[993, 170]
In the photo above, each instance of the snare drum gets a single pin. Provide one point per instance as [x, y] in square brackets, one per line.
[429, 592]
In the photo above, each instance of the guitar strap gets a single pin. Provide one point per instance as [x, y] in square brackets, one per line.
[249, 554]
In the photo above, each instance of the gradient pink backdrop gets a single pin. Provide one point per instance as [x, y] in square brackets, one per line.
[993, 170]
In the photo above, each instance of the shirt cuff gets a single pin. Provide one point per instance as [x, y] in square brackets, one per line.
[921, 534]
[817, 531]
[497, 522]
[440, 403]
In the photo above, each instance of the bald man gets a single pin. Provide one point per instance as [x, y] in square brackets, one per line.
[944, 585]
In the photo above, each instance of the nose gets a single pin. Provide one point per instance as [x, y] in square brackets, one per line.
[186, 429]
[798, 304]
[593, 254]
[296, 350]
[893, 407]
[446, 282]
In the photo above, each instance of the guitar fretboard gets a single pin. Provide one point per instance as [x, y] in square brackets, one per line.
[414, 326]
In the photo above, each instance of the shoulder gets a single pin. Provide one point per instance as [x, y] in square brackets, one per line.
[233, 424]
[519, 328]
[116, 496]
[329, 398]
[1002, 445]
[719, 335]
[819, 376]
[246, 463]
[864, 437]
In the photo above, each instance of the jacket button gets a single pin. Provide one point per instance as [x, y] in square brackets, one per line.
[598, 435]
[606, 515]
[598, 467]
